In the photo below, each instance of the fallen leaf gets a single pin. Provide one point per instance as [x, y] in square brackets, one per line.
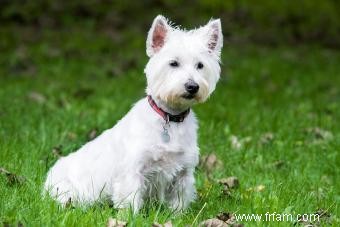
[230, 182]
[210, 162]
[226, 192]
[12, 178]
[228, 218]
[235, 143]
[267, 138]
[71, 135]
[319, 134]
[92, 134]
[213, 222]
[167, 224]
[112, 222]
[37, 97]
[323, 213]
[57, 151]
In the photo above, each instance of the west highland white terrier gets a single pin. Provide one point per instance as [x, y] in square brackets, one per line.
[152, 152]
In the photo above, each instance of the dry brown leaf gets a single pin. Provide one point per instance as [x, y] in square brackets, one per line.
[36, 97]
[228, 218]
[230, 182]
[210, 162]
[238, 143]
[57, 151]
[92, 134]
[71, 135]
[319, 134]
[227, 192]
[213, 222]
[235, 142]
[323, 213]
[112, 222]
[267, 138]
[12, 178]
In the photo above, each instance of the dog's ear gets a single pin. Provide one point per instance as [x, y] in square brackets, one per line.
[157, 35]
[213, 33]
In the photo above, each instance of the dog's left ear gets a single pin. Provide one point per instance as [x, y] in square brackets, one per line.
[157, 35]
[213, 33]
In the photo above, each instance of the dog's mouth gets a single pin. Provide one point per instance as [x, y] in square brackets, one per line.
[188, 96]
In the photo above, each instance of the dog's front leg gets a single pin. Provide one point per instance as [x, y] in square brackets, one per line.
[129, 193]
[182, 190]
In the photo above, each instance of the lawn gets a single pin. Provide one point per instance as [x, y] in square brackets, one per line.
[273, 122]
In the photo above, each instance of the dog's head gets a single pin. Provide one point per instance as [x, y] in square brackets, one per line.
[184, 65]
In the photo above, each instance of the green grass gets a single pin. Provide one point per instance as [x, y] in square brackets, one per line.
[86, 80]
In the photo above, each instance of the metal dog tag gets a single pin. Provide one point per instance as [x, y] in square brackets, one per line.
[165, 135]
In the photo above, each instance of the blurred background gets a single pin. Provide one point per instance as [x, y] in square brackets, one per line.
[71, 69]
[33, 32]
[76, 28]
[266, 22]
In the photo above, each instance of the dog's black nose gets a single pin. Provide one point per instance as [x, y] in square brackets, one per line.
[191, 87]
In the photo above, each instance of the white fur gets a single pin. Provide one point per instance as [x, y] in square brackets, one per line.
[130, 163]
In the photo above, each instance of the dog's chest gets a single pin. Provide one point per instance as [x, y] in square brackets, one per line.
[168, 158]
[162, 159]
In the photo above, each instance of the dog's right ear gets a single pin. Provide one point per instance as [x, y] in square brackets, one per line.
[157, 35]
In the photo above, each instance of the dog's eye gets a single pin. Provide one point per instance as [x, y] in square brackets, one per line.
[200, 65]
[174, 64]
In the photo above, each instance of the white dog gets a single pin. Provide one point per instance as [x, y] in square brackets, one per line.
[152, 152]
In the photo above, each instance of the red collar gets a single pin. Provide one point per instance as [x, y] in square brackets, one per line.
[167, 116]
